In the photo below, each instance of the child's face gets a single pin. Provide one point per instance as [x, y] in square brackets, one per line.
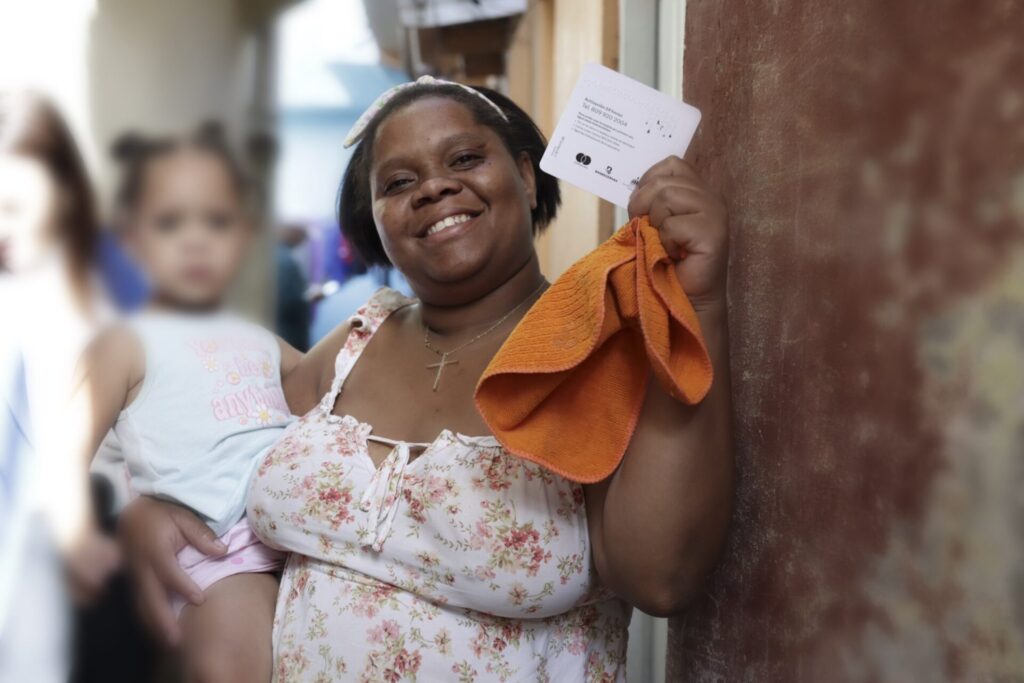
[27, 212]
[188, 231]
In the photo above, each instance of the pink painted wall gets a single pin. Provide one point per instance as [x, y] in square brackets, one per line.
[872, 155]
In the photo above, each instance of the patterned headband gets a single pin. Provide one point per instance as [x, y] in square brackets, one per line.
[359, 129]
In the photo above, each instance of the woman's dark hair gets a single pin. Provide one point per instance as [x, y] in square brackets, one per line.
[519, 133]
[31, 126]
[136, 153]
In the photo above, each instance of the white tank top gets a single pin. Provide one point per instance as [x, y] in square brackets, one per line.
[210, 405]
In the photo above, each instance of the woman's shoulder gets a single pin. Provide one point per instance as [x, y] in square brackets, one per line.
[312, 376]
[367, 318]
[380, 305]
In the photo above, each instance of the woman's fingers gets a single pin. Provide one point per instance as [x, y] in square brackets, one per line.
[657, 189]
[152, 533]
[165, 565]
[197, 534]
[675, 200]
[154, 606]
[694, 235]
[669, 166]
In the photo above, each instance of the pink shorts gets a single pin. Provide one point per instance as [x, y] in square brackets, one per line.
[246, 555]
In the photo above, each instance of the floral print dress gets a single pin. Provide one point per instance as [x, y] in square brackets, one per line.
[464, 564]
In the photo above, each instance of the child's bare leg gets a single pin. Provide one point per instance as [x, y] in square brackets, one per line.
[228, 637]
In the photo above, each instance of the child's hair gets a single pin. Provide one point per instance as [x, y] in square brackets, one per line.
[135, 153]
[519, 133]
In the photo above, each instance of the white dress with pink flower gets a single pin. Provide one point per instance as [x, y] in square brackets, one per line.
[464, 564]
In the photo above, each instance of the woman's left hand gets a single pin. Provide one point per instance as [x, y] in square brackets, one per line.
[692, 222]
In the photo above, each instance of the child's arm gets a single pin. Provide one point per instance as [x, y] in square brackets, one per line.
[108, 374]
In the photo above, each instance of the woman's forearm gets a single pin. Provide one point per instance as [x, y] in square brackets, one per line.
[662, 517]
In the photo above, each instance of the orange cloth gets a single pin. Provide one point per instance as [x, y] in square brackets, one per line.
[566, 388]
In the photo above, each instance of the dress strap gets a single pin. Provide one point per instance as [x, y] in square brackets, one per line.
[365, 322]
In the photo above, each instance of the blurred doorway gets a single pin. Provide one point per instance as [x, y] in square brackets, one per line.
[329, 69]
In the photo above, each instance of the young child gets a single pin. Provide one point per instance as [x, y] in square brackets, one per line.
[194, 393]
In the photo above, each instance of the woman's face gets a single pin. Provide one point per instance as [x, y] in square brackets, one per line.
[451, 204]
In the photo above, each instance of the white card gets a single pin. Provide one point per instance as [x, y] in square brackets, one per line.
[613, 130]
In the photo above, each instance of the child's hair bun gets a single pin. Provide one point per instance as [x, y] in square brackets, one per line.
[134, 152]
[211, 133]
[129, 147]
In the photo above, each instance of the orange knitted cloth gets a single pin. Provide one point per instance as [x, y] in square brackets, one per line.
[566, 388]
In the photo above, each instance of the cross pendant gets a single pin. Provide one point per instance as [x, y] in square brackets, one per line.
[440, 365]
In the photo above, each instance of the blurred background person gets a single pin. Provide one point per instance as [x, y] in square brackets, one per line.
[51, 305]
[292, 304]
[53, 300]
[342, 297]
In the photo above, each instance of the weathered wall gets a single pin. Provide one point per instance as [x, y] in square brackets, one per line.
[872, 155]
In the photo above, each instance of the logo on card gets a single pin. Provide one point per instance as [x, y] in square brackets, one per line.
[582, 159]
[606, 172]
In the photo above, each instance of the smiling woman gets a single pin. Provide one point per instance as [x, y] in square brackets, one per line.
[420, 551]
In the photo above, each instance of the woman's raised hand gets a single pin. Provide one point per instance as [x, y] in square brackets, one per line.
[692, 222]
[151, 534]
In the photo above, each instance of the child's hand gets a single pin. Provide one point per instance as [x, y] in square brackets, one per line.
[692, 222]
[90, 562]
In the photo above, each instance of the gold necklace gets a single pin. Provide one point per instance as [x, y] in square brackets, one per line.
[444, 362]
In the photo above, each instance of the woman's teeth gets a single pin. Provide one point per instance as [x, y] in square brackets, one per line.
[446, 223]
